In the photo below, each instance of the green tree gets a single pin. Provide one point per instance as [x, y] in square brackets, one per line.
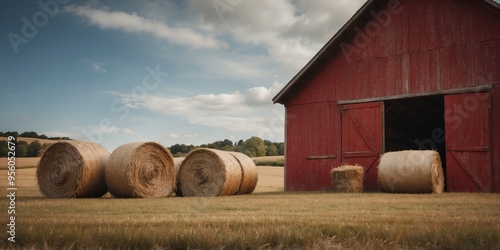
[3, 149]
[34, 149]
[271, 150]
[255, 146]
[11, 133]
[281, 148]
[29, 134]
[21, 149]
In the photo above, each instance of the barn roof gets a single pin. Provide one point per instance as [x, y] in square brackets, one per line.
[333, 45]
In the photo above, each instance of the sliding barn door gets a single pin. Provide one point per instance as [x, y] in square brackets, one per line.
[362, 138]
[468, 150]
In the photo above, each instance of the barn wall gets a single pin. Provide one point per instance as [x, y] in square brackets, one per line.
[495, 136]
[313, 131]
[429, 46]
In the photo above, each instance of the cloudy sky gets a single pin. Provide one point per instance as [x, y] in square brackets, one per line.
[188, 71]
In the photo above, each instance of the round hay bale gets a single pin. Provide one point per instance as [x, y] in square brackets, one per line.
[141, 170]
[72, 169]
[209, 172]
[249, 175]
[411, 171]
[347, 179]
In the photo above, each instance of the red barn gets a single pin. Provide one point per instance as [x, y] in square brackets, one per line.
[400, 74]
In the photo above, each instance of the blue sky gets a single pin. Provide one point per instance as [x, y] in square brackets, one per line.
[189, 72]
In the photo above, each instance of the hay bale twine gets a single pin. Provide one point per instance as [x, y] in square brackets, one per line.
[249, 175]
[411, 171]
[141, 170]
[347, 179]
[209, 172]
[72, 169]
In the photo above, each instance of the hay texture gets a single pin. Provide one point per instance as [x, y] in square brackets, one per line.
[347, 179]
[209, 172]
[249, 175]
[177, 163]
[141, 170]
[411, 171]
[72, 169]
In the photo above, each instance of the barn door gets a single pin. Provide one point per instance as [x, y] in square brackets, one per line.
[468, 150]
[362, 133]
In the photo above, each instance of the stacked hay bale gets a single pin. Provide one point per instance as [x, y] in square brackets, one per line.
[72, 169]
[347, 179]
[411, 171]
[141, 170]
[211, 172]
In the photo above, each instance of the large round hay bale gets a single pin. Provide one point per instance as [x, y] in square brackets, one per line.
[141, 170]
[209, 172]
[411, 171]
[347, 179]
[72, 169]
[249, 175]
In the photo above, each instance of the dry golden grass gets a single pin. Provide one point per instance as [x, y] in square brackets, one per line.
[21, 162]
[265, 219]
[269, 158]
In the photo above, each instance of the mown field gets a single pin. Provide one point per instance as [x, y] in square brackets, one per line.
[268, 218]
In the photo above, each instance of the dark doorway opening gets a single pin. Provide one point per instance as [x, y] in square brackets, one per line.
[416, 123]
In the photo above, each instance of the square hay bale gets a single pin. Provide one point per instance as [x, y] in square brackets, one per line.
[347, 179]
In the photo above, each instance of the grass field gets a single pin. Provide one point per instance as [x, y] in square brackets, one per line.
[268, 218]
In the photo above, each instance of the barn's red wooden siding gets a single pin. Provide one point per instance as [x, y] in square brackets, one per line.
[430, 46]
[315, 132]
[495, 137]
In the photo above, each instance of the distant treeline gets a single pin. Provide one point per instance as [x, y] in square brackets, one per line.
[31, 134]
[253, 147]
[24, 149]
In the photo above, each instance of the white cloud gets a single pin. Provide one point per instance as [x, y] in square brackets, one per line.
[226, 102]
[181, 135]
[96, 66]
[172, 135]
[262, 95]
[219, 102]
[291, 31]
[232, 123]
[116, 130]
[133, 23]
[249, 112]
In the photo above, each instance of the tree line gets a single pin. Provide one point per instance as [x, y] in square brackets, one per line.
[31, 134]
[24, 149]
[253, 147]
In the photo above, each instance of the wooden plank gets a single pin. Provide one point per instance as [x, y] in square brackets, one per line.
[468, 154]
[495, 137]
[362, 142]
[320, 157]
[476, 89]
